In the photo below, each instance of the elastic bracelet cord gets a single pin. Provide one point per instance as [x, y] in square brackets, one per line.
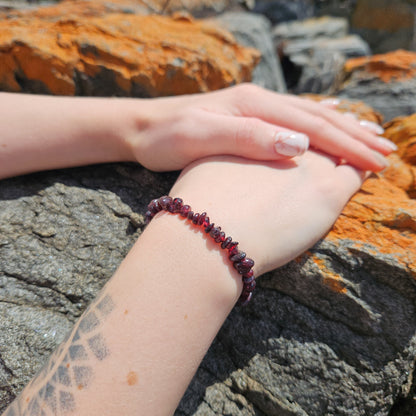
[240, 261]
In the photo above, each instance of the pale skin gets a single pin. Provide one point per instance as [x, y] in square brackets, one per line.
[137, 347]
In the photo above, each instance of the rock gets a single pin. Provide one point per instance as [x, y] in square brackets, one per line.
[336, 8]
[333, 332]
[386, 25]
[278, 11]
[62, 235]
[119, 54]
[253, 30]
[359, 108]
[198, 8]
[318, 49]
[386, 81]
[323, 27]
[402, 169]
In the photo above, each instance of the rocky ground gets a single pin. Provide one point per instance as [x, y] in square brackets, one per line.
[331, 333]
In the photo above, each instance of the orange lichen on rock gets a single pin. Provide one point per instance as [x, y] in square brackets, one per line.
[397, 65]
[77, 8]
[382, 217]
[359, 108]
[121, 54]
[402, 131]
[331, 279]
[402, 169]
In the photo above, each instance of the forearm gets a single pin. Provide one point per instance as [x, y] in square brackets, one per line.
[43, 132]
[150, 327]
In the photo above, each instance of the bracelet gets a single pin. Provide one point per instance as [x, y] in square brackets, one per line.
[240, 261]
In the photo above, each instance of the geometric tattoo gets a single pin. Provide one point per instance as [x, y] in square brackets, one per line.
[68, 369]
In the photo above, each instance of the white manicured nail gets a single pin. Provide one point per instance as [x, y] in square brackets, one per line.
[388, 143]
[291, 144]
[331, 102]
[381, 159]
[350, 115]
[369, 125]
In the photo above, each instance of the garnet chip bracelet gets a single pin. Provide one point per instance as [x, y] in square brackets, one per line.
[241, 263]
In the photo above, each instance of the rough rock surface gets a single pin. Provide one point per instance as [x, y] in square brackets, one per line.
[119, 54]
[317, 49]
[254, 31]
[333, 332]
[387, 81]
[76, 8]
[278, 11]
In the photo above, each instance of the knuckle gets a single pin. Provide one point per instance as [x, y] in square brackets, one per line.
[319, 124]
[247, 89]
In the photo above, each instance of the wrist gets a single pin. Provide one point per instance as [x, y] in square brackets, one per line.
[192, 263]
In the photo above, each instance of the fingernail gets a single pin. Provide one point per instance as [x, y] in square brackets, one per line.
[381, 159]
[291, 144]
[374, 127]
[387, 143]
[351, 115]
[331, 102]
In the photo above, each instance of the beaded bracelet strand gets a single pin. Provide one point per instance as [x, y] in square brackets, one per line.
[240, 261]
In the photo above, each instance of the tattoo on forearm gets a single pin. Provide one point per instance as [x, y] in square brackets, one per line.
[70, 368]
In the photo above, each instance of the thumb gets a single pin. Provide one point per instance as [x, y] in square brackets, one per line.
[252, 138]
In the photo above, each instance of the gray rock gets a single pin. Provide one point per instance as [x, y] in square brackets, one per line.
[62, 235]
[391, 99]
[278, 11]
[254, 30]
[329, 27]
[350, 46]
[317, 49]
[300, 348]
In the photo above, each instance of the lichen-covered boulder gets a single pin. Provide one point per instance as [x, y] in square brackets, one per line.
[333, 332]
[387, 81]
[119, 54]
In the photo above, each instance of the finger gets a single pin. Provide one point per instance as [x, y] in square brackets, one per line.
[364, 131]
[338, 143]
[314, 120]
[323, 134]
[250, 138]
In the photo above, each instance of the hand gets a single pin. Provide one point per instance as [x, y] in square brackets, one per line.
[275, 210]
[248, 121]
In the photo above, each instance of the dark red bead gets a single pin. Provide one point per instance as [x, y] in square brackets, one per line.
[226, 242]
[195, 219]
[190, 215]
[184, 210]
[221, 237]
[202, 218]
[209, 227]
[244, 300]
[206, 222]
[232, 251]
[148, 216]
[232, 245]
[215, 232]
[249, 287]
[238, 257]
[164, 201]
[244, 266]
[248, 279]
[248, 274]
[154, 206]
[177, 204]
